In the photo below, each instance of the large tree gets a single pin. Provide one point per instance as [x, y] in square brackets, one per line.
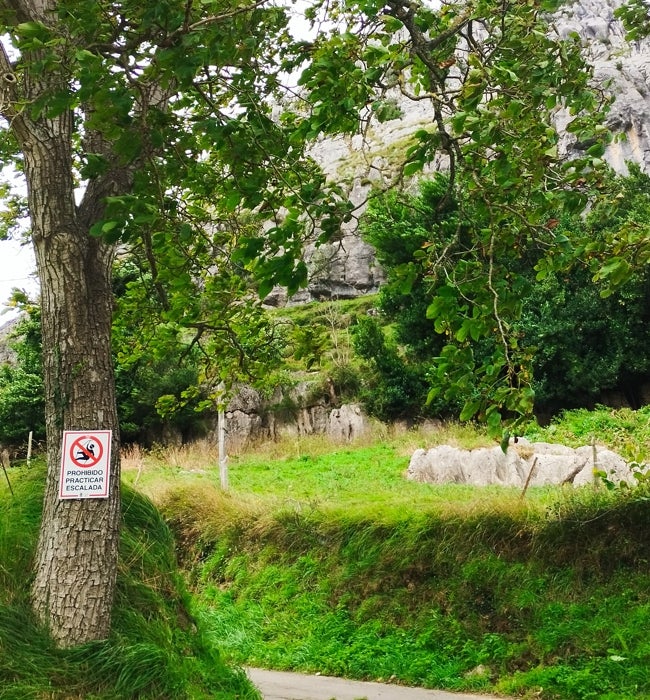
[149, 123]
[135, 123]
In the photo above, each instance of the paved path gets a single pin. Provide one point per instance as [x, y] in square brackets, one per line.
[278, 685]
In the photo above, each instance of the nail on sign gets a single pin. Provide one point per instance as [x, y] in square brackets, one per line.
[85, 464]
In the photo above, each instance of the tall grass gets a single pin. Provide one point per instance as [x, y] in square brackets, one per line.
[332, 562]
[507, 602]
[156, 649]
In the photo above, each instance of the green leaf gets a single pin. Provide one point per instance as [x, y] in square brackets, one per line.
[33, 30]
[96, 229]
[470, 409]
[505, 441]
[597, 150]
[265, 287]
[433, 394]
[494, 423]
[458, 122]
[413, 167]
[232, 201]
[391, 24]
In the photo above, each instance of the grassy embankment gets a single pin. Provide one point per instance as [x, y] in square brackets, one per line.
[155, 651]
[327, 560]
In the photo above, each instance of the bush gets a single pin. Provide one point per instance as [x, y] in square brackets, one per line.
[22, 394]
[584, 338]
[395, 389]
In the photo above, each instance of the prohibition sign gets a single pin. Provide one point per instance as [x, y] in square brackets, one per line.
[86, 451]
[85, 464]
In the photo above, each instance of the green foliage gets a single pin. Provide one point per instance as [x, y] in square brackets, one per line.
[22, 396]
[585, 344]
[318, 334]
[188, 314]
[155, 649]
[310, 343]
[616, 239]
[142, 388]
[21, 405]
[634, 14]
[588, 326]
[446, 338]
[579, 332]
[346, 379]
[625, 430]
[492, 75]
[395, 390]
[188, 166]
[173, 152]
[213, 193]
[401, 227]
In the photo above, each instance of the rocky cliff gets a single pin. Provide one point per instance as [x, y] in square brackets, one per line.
[621, 68]
[347, 268]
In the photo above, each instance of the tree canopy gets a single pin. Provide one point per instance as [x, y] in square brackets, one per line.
[190, 144]
[494, 77]
[145, 126]
[175, 130]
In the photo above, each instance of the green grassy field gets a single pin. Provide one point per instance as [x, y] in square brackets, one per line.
[326, 560]
[323, 558]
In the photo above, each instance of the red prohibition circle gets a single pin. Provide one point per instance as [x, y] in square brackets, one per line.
[82, 451]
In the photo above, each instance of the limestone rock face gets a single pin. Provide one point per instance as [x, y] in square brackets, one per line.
[251, 418]
[348, 268]
[7, 355]
[346, 423]
[622, 69]
[525, 463]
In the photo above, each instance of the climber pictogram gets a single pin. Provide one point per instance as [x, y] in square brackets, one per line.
[86, 451]
[85, 464]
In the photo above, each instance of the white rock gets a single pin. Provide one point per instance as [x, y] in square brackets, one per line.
[538, 464]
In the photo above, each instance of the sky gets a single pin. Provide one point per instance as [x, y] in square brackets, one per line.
[17, 269]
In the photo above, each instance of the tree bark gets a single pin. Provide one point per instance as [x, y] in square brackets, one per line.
[76, 561]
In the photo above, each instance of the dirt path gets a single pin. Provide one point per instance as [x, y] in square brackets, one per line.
[278, 685]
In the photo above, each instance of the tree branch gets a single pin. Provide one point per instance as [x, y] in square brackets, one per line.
[187, 28]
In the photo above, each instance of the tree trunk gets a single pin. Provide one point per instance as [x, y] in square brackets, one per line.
[76, 561]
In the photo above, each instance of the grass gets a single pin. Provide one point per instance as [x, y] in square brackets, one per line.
[309, 471]
[465, 603]
[156, 649]
[324, 559]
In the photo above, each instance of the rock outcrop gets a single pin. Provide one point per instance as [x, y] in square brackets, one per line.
[7, 355]
[250, 417]
[348, 267]
[622, 69]
[524, 464]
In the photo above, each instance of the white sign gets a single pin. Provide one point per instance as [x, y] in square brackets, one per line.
[85, 464]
